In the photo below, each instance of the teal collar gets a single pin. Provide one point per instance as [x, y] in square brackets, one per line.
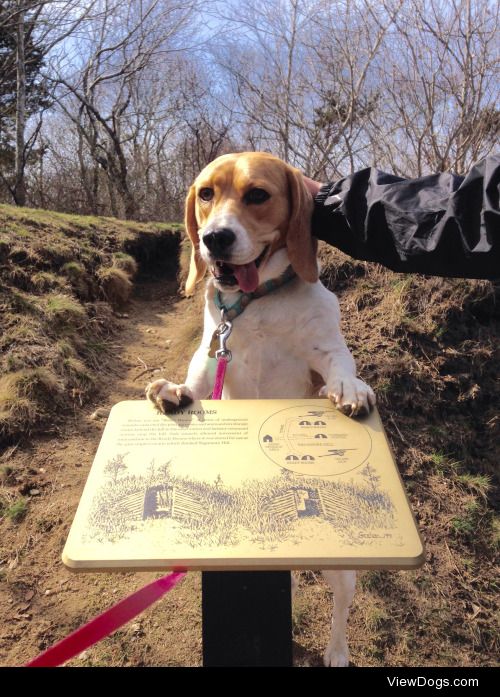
[245, 299]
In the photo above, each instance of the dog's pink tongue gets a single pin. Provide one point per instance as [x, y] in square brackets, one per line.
[247, 276]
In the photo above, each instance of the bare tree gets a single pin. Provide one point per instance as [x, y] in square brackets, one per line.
[44, 24]
[146, 97]
[114, 57]
[19, 188]
[270, 72]
[304, 77]
[349, 40]
[440, 87]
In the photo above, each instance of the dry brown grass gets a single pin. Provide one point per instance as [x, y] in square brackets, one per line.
[430, 348]
[60, 277]
[28, 397]
[126, 263]
[115, 284]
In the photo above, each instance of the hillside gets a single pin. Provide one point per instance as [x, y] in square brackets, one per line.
[61, 279]
[430, 349]
[71, 349]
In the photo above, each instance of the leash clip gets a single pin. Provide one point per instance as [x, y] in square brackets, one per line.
[222, 332]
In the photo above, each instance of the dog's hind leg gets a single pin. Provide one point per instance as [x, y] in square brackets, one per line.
[343, 584]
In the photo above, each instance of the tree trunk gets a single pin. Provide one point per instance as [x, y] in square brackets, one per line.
[19, 191]
[112, 198]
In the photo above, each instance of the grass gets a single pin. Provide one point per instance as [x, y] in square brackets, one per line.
[376, 618]
[15, 509]
[478, 483]
[5, 472]
[115, 285]
[444, 464]
[63, 311]
[466, 524]
[61, 276]
[125, 263]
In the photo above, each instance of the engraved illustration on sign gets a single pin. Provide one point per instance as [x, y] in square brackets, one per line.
[242, 484]
[267, 511]
[314, 442]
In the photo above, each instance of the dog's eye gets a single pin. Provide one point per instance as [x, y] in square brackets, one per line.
[206, 194]
[256, 196]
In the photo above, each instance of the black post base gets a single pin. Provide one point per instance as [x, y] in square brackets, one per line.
[247, 618]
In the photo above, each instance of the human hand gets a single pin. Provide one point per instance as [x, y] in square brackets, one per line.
[312, 186]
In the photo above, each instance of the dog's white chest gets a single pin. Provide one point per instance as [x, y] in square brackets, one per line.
[263, 363]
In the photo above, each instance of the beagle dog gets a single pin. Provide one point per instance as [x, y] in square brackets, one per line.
[248, 217]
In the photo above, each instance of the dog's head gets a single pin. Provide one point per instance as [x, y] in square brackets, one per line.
[240, 210]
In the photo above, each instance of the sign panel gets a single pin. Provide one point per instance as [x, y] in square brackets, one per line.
[243, 484]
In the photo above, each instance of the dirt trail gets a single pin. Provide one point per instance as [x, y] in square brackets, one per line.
[40, 600]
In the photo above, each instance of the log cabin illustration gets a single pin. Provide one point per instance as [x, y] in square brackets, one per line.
[304, 502]
[180, 503]
[162, 501]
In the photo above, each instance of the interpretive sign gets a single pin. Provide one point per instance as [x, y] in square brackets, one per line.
[243, 484]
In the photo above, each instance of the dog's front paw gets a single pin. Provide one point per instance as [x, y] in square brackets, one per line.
[167, 396]
[336, 655]
[350, 395]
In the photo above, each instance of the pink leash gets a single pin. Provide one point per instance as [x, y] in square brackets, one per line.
[220, 374]
[223, 355]
[105, 624]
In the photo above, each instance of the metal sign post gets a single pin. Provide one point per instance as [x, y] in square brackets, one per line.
[247, 619]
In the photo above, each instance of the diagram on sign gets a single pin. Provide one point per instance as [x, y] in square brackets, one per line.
[314, 442]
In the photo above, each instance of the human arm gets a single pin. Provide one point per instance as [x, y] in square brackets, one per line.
[442, 224]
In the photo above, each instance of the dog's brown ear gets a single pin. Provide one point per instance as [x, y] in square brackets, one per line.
[197, 266]
[301, 245]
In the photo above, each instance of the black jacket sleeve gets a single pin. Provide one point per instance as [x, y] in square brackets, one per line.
[442, 225]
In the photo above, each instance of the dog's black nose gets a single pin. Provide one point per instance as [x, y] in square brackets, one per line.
[219, 241]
